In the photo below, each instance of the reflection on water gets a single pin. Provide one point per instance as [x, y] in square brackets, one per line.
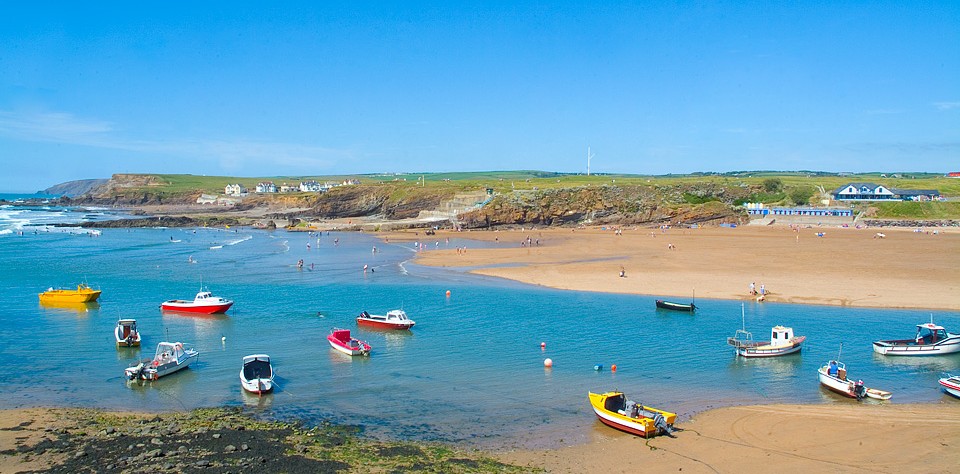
[79, 309]
[939, 363]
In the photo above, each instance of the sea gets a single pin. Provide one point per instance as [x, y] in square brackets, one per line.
[470, 372]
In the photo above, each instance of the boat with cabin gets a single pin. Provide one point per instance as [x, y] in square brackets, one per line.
[782, 341]
[169, 358]
[614, 410]
[340, 340]
[204, 303]
[951, 385]
[126, 333]
[256, 375]
[930, 340]
[83, 294]
[394, 319]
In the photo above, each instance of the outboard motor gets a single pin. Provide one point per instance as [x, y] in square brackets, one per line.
[859, 390]
[661, 423]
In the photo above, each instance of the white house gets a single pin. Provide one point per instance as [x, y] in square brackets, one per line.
[863, 192]
[267, 187]
[234, 190]
[286, 188]
[310, 186]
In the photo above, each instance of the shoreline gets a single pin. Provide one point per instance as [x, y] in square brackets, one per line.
[845, 267]
[841, 437]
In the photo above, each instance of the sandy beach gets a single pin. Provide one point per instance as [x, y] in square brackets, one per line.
[844, 267]
[844, 437]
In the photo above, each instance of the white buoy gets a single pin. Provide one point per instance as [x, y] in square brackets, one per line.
[223, 339]
[548, 362]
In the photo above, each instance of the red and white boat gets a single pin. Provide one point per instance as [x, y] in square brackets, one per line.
[204, 303]
[340, 340]
[396, 319]
[951, 385]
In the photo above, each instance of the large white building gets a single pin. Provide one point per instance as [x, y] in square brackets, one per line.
[267, 187]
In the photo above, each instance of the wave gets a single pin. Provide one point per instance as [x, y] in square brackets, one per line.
[237, 241]
[215, 247]
[5, 231]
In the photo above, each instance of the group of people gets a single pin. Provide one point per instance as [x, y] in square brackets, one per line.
[761, 294]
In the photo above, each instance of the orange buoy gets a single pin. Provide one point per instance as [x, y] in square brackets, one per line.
[548, 362]
[448, 293]
[543, 345]
[613, 368]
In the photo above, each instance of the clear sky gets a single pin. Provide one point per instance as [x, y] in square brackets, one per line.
[88, 89]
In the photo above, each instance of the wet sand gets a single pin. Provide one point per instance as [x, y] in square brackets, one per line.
[845, 267]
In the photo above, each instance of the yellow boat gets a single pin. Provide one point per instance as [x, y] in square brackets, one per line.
[83, 294]
[613, 409]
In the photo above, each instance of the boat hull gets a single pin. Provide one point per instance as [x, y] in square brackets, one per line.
[772, 351]
[847, 387]
[951, 385]
[384, 325]
[347, 350]
[642, 426]
[256, 375]
[689, 308]
[911, 348]
[69, 296]
[162, 370]
[189, 307]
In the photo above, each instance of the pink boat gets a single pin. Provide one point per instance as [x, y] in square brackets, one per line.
[204, 303]
[340, 340]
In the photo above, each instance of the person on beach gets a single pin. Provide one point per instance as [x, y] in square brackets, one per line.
[753, 288]
[623, 273]
[763, 291]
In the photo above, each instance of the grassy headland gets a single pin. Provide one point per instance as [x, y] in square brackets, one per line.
[537, 197]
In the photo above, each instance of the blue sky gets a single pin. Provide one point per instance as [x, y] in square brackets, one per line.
[88, 89]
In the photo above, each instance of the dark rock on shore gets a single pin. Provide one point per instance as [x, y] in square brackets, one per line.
[228, 440]
[164, 221]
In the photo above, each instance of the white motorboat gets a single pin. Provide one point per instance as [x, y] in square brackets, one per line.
[930, 340]
[951, 385]
[126, 333]
[394, 319]
[833, 375]
[256, 376]
[169, 358]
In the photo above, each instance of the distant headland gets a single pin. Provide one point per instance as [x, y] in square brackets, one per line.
[509, 198]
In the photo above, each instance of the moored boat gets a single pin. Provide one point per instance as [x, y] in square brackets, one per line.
[782, 342]
[930, 340]
[169, 358]
[204, 303]
[83, 294]
[951, 385]
[676, 306]
[126, 333]
[256, 376]
[340, 340]
[613, 409]
[395, 319]
[833, 375]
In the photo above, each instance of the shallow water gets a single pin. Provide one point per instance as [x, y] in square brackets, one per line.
[471, 370]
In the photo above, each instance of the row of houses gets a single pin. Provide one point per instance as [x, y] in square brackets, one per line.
[879, 192]
[304, 186]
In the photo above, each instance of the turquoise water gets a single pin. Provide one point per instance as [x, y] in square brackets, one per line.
[471, 370]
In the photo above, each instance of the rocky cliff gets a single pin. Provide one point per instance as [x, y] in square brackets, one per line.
[626, 205]
[75, 188]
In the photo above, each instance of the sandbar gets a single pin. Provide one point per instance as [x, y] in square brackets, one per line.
[806, 265]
